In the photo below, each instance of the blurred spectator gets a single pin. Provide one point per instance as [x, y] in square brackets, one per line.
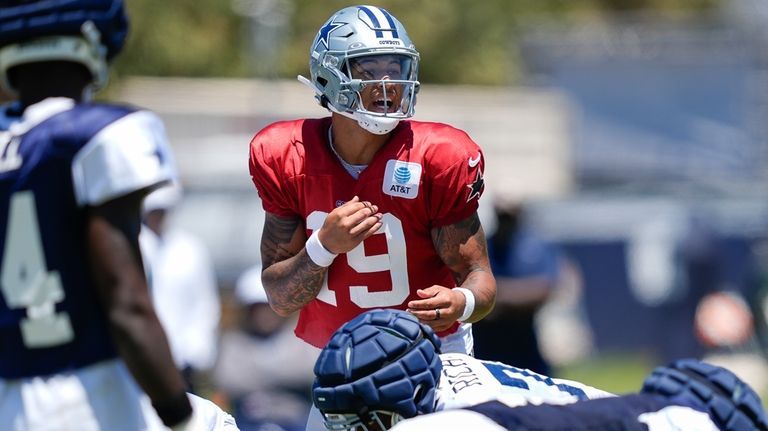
[263, 370]
[526, 270]
[562, 324]
[758, 295]
[731, 324]
[698, 260]
[183, 287]
[723, 320]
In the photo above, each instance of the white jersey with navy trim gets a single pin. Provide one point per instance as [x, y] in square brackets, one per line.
[491, 396]
[466, 381]
[672, 418]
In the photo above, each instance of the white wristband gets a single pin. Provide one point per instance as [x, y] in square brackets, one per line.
[469, 306]
[317, 253]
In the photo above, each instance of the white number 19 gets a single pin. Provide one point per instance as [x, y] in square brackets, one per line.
[394, 262]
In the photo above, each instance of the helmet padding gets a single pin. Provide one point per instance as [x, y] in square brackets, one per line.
[381, 361]
[88, 32]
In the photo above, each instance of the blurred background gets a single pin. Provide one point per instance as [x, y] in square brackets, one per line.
[632, 133]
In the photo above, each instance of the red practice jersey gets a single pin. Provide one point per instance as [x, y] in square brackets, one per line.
[428, 175]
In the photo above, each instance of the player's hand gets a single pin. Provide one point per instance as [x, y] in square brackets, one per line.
[193, 423]
[449, 303]
[206, 416]
[348, 225]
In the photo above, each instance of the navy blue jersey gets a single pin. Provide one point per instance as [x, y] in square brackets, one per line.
[623, 413]
[51, 169]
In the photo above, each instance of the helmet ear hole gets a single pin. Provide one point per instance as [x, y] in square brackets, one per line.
[324, 101]
[423, 398]
[419, 392]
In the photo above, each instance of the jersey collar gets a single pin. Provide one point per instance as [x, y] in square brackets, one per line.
[39, 112]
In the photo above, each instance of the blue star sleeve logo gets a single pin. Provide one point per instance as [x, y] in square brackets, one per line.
[476, 188]
[326, 30]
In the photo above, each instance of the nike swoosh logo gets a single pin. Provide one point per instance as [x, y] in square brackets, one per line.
[475, 161]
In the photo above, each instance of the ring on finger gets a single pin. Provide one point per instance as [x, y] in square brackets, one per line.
[437, 314]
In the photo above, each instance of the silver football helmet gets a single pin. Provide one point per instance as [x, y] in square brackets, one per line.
[364, 66]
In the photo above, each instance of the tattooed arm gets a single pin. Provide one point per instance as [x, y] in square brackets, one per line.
[463, 249]
[290, 277]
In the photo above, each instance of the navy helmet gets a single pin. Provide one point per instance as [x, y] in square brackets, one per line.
[89, 32]
[730, 402]
[379, 368]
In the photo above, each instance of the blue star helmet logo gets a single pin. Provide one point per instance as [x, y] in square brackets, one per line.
[326, 30]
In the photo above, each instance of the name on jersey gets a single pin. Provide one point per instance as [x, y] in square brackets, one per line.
[459, 374]
[402, 179]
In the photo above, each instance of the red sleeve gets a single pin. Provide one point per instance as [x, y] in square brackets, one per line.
[457, 164]
[270, 172]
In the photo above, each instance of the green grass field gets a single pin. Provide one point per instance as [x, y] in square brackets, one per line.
[618, 373]
[614, 373]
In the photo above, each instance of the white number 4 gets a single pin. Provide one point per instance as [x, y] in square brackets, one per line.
[26, 281]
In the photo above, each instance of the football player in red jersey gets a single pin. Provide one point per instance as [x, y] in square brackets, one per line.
[365, 208]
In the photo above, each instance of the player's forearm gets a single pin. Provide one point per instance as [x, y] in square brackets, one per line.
[462, 246]
[121, 286]
[289, 276]
[293, 283]
[483, 286]
[142, 344]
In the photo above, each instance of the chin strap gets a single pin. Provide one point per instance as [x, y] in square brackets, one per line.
[374, 124]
